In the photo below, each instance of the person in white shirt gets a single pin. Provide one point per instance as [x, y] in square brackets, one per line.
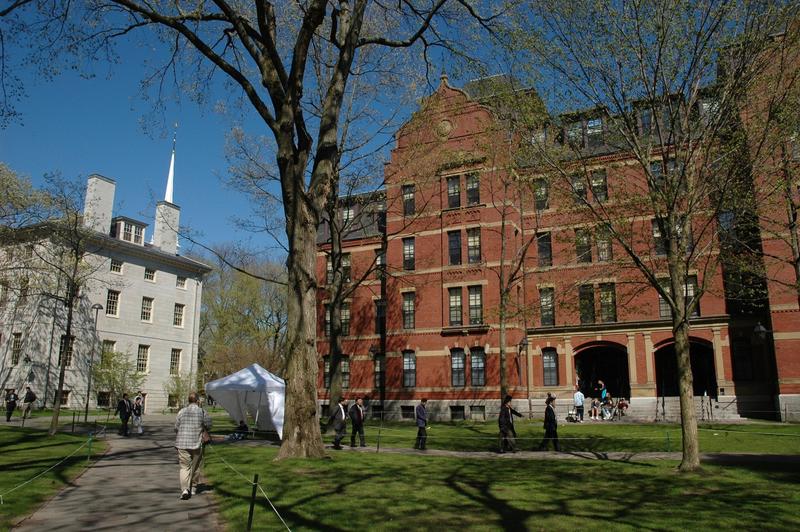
[578, 398]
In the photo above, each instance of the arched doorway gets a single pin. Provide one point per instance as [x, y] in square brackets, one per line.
[704, 375]
[603, 362]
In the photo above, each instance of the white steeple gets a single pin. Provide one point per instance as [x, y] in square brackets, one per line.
[171, 175]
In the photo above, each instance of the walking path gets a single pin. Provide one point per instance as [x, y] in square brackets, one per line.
[133, 487]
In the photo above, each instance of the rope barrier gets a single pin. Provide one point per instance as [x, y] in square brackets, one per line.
[251, 483]
[2, 495]
[748, 432]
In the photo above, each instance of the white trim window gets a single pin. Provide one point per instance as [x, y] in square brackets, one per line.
[116, 266]
[147, 309]
[180, 282]
[143, 358]
[112, 303]
[150, 275]
[177, 316]
[175, 361]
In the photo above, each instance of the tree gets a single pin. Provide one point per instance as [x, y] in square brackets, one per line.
[263, 51]
[116, 374]
[661, 82]
[179, 386]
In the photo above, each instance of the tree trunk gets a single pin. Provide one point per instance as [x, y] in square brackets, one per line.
[502, 340]
[691, 448]
[301, 431]
[62, 355]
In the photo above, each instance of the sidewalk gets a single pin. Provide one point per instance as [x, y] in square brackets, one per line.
[133, 487]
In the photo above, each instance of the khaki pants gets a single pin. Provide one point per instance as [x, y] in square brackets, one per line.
[189, 460]
[26, 409]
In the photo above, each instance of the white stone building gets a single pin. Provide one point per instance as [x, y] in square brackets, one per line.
[144, 296]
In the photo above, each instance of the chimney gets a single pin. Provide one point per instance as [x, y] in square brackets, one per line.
[165, 232]
[99, 203]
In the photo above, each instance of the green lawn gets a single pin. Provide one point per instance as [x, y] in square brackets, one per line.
[24, 453]
[774, 438]
[372, 491]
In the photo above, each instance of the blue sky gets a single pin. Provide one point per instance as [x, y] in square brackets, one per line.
[78, 126]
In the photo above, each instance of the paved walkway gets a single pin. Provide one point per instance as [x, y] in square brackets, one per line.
[133, 487]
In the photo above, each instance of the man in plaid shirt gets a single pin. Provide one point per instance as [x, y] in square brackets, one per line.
[189, 425]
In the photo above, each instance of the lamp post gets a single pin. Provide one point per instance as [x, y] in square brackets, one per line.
[523, 346]
[97, 307]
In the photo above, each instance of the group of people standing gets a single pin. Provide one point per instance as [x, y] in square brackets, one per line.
[28, 401]
[338, 419]
[128, 411]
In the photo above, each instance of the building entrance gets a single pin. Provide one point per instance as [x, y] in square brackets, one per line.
[607, 363]
[703, 372]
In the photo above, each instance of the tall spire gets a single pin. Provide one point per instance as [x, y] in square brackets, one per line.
[171, 176]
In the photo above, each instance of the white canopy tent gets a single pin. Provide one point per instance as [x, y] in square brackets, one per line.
[252, 390]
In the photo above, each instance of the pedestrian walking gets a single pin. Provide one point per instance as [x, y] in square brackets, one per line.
[124, 409]
[28, 402]
[508, 434]
[138, 412]
[422, 424]
[339, 420]
[550, 424]
[578, 400]
[190, 425]
[11, 403]
[357, 422]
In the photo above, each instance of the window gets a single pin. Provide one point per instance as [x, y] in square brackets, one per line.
[575, 134]
[380, 316]
[457, 413]
[109, 347]
[594, 132]
[65, 397]
[327, 322]
[180, 281]
[326, 371]
[116, 266]
[346, 267]
[709, 109]
[583, 245]
[24, 285]
[407, 412]
[147, 309]
[544, 248]
[608, 303]
[539, 137]
[345, 319]
[177, 315]
[344, 368]
[455, 306]
[474, 245]
[659, 175]
[457, 368]
[477, 366]
[659, 243]
[143, 358]
[3, 292]
[454, 247]
[175, 362]
[380, 263]
[477, 413]
[599, 186]
[547, 306]
[409, 369]
[379, 370]
[541, 193]
[690, 292]
[586, 303]
[664, 310]
[16, 348]
[138, 235]
[103, 399]
[347, 215]
[550, 366]
[454, 192]
[475, 305]
[473, 189]
[578, 189]
[408, 254]
[328, 270]
[408, 310]
[646, 121]
[65, 351]
[605, 250]
[408, 200]
[127, 233]
[112, 302]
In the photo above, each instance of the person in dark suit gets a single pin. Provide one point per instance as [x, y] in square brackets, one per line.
[422, 425]
[339, 421]
[506, 421]
[357, 422]
[124, 409]
[11, 403]
[550, 424]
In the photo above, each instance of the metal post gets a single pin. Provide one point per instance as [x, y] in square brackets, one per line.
[89, 452]
[378, 447]
[252, 503]
[73, 422]
[97, 307]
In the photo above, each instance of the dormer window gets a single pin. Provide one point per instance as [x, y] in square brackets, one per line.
[594, 131]
[575, 134]
[347, 215]
[127, 233]
[128, 230]
[646, 118]
[138, 235]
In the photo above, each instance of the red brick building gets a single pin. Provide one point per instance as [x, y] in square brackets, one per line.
[427, 323]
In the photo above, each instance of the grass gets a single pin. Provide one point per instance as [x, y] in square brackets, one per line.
[371, 491]
[771, 438]
[25, 454]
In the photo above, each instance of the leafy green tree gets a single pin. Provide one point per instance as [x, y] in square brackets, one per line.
[116, 374]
